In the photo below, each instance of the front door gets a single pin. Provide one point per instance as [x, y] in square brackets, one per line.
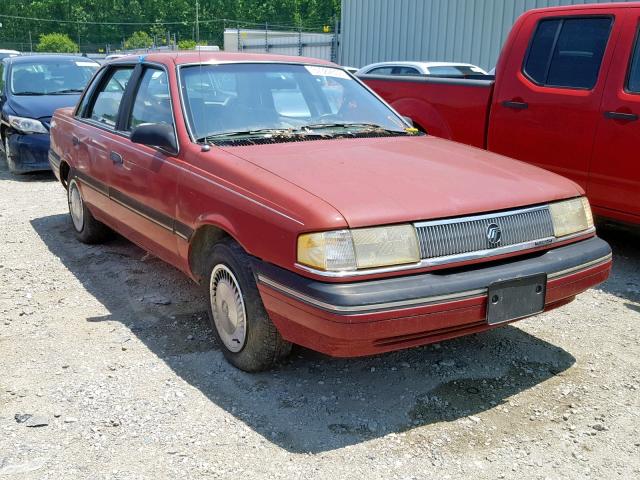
[614, 183]
[547, 114]
[144, 179]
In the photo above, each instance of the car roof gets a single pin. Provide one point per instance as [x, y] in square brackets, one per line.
[583, 6]
[36, 58]
[404, 63]
[189, 57]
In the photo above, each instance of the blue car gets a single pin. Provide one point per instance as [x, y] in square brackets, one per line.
[31, 88]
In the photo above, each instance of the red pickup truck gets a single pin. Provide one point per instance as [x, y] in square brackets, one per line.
[566, 97]
[311, 211]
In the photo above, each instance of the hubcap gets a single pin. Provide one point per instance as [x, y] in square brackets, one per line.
[227, 305]
[75, 206]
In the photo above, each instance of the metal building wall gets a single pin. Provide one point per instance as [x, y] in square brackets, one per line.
[470, 31]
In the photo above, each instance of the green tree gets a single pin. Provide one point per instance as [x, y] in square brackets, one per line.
[56, 43]
[187, 44]
[138, 40]
[115, 19]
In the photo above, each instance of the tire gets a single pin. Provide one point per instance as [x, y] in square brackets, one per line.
[87, 229]
[247, 337]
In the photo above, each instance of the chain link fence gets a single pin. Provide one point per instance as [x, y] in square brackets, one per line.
[23, 35]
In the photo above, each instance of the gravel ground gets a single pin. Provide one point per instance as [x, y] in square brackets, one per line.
[108, 370]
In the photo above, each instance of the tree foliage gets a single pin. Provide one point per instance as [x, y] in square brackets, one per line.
[56, 43]
[138, 40]
[187, 44]
[160, 18]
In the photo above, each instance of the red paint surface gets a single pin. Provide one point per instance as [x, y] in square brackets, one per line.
[562, 130]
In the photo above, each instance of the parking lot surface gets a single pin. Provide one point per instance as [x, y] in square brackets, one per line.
[108, 370]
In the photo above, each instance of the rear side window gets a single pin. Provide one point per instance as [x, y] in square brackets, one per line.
[405, 71]
[567, 52]
[107, 99]
[634, 75]
[380, 71]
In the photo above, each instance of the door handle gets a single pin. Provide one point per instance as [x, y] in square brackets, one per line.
[515, 104]
[629, 117]
[75, 140]
[116, 158]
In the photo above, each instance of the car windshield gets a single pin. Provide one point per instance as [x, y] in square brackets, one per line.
[248, 98]
[51, 77]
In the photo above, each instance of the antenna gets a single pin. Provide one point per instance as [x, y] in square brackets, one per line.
[197, 23]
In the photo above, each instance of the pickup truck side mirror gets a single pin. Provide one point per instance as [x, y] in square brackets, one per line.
[409, 120]
[158, 135]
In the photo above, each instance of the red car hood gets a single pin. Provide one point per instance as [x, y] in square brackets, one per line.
[398, 179]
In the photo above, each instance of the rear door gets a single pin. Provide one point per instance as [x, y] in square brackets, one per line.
[93, 136]
[547, 113]
[614, 182]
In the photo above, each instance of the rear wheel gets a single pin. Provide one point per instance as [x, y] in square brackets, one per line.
[87, 229]
[248, 338]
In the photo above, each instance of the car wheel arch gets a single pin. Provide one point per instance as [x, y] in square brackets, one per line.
[206, 235]
[65, 170]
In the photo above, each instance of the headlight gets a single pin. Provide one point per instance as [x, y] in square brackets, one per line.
[345, 250]
[571, 216]
[27, 125]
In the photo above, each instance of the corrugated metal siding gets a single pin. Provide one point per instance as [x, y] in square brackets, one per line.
[470, 31]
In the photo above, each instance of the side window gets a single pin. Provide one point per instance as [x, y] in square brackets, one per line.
[2, 70]
[634, 75]
[567, 52]
[106, 101]
[380, 71]
[405, 71]
[152, 103]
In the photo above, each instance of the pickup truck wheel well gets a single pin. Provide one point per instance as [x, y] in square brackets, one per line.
[202, 242]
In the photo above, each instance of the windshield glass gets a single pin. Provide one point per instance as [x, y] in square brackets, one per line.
[241, 97]
[51, 77]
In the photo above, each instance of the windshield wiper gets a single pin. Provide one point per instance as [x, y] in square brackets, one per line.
[67, 90]
[280, 132]
[361, 125]
[29, 93]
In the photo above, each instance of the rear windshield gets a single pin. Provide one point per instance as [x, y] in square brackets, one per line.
[51, 77]
[229, 98]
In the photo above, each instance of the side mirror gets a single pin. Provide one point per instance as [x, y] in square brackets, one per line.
[409, 120]
[158, 135]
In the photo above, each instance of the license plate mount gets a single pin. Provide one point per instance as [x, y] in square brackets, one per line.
[516, 298]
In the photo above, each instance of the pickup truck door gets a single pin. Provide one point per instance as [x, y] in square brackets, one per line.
[614, 182]
[144, 179]
[546, 109]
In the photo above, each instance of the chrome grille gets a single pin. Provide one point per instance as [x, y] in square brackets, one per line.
[457, 236]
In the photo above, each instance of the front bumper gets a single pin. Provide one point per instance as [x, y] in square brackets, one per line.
[368, 317]
[28, 152]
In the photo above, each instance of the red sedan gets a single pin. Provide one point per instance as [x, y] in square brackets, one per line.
[314, 213]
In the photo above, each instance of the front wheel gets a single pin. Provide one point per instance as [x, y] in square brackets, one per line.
[87, 229]
[248, 338]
